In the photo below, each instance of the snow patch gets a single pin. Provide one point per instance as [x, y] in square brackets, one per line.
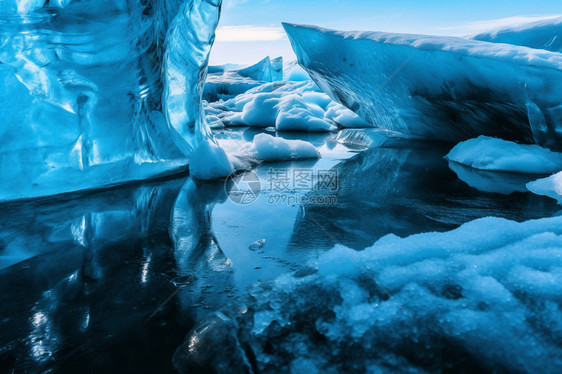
[487, 153]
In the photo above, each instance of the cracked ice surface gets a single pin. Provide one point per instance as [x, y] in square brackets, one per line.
[86, 103]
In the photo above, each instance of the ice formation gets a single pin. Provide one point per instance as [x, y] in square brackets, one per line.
[551, 187]
[434, 87]
[226, 81]
[294, 72]
[285, 105]
[266, 70]
[415, 304]
[545, 34]
[268, 148]
[487, 153]
[86, 102]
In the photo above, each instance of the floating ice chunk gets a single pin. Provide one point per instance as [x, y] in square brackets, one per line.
[256, 246]
[487, 153]
[545, 34]
[268, 148]
[434, 87]
[551, 187]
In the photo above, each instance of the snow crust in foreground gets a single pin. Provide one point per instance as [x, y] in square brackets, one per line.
[484, 297]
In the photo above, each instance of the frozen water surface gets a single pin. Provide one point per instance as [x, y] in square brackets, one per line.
[116, 279]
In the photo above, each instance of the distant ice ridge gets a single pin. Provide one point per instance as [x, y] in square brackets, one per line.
[494, 154]
[545, 34]
[434, 87]
[482, 298]
[226, 81]
[85, 100]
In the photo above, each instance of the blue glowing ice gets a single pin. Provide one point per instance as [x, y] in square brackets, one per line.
[97, 93]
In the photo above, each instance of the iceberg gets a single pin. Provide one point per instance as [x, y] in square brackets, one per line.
[545, 34]
[443, 88]
[494, 154]
[101, 94]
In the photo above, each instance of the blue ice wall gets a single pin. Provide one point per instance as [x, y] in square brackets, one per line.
[100, 92]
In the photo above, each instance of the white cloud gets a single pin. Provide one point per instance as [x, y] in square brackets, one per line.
[249, 33]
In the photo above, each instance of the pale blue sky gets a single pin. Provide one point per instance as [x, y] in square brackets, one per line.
[251, 29]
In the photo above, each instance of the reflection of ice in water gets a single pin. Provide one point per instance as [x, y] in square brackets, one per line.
[109, 260]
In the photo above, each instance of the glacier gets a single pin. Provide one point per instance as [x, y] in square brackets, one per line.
[97, 93]
[443, 88]
[544, 34]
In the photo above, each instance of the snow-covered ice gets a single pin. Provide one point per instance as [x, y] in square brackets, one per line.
[287, 106]
[483, 297]
[544, 34]
[435, 87]
[494, 154]
[551, 186]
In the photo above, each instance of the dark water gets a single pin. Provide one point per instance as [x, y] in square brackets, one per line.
[113, 281]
